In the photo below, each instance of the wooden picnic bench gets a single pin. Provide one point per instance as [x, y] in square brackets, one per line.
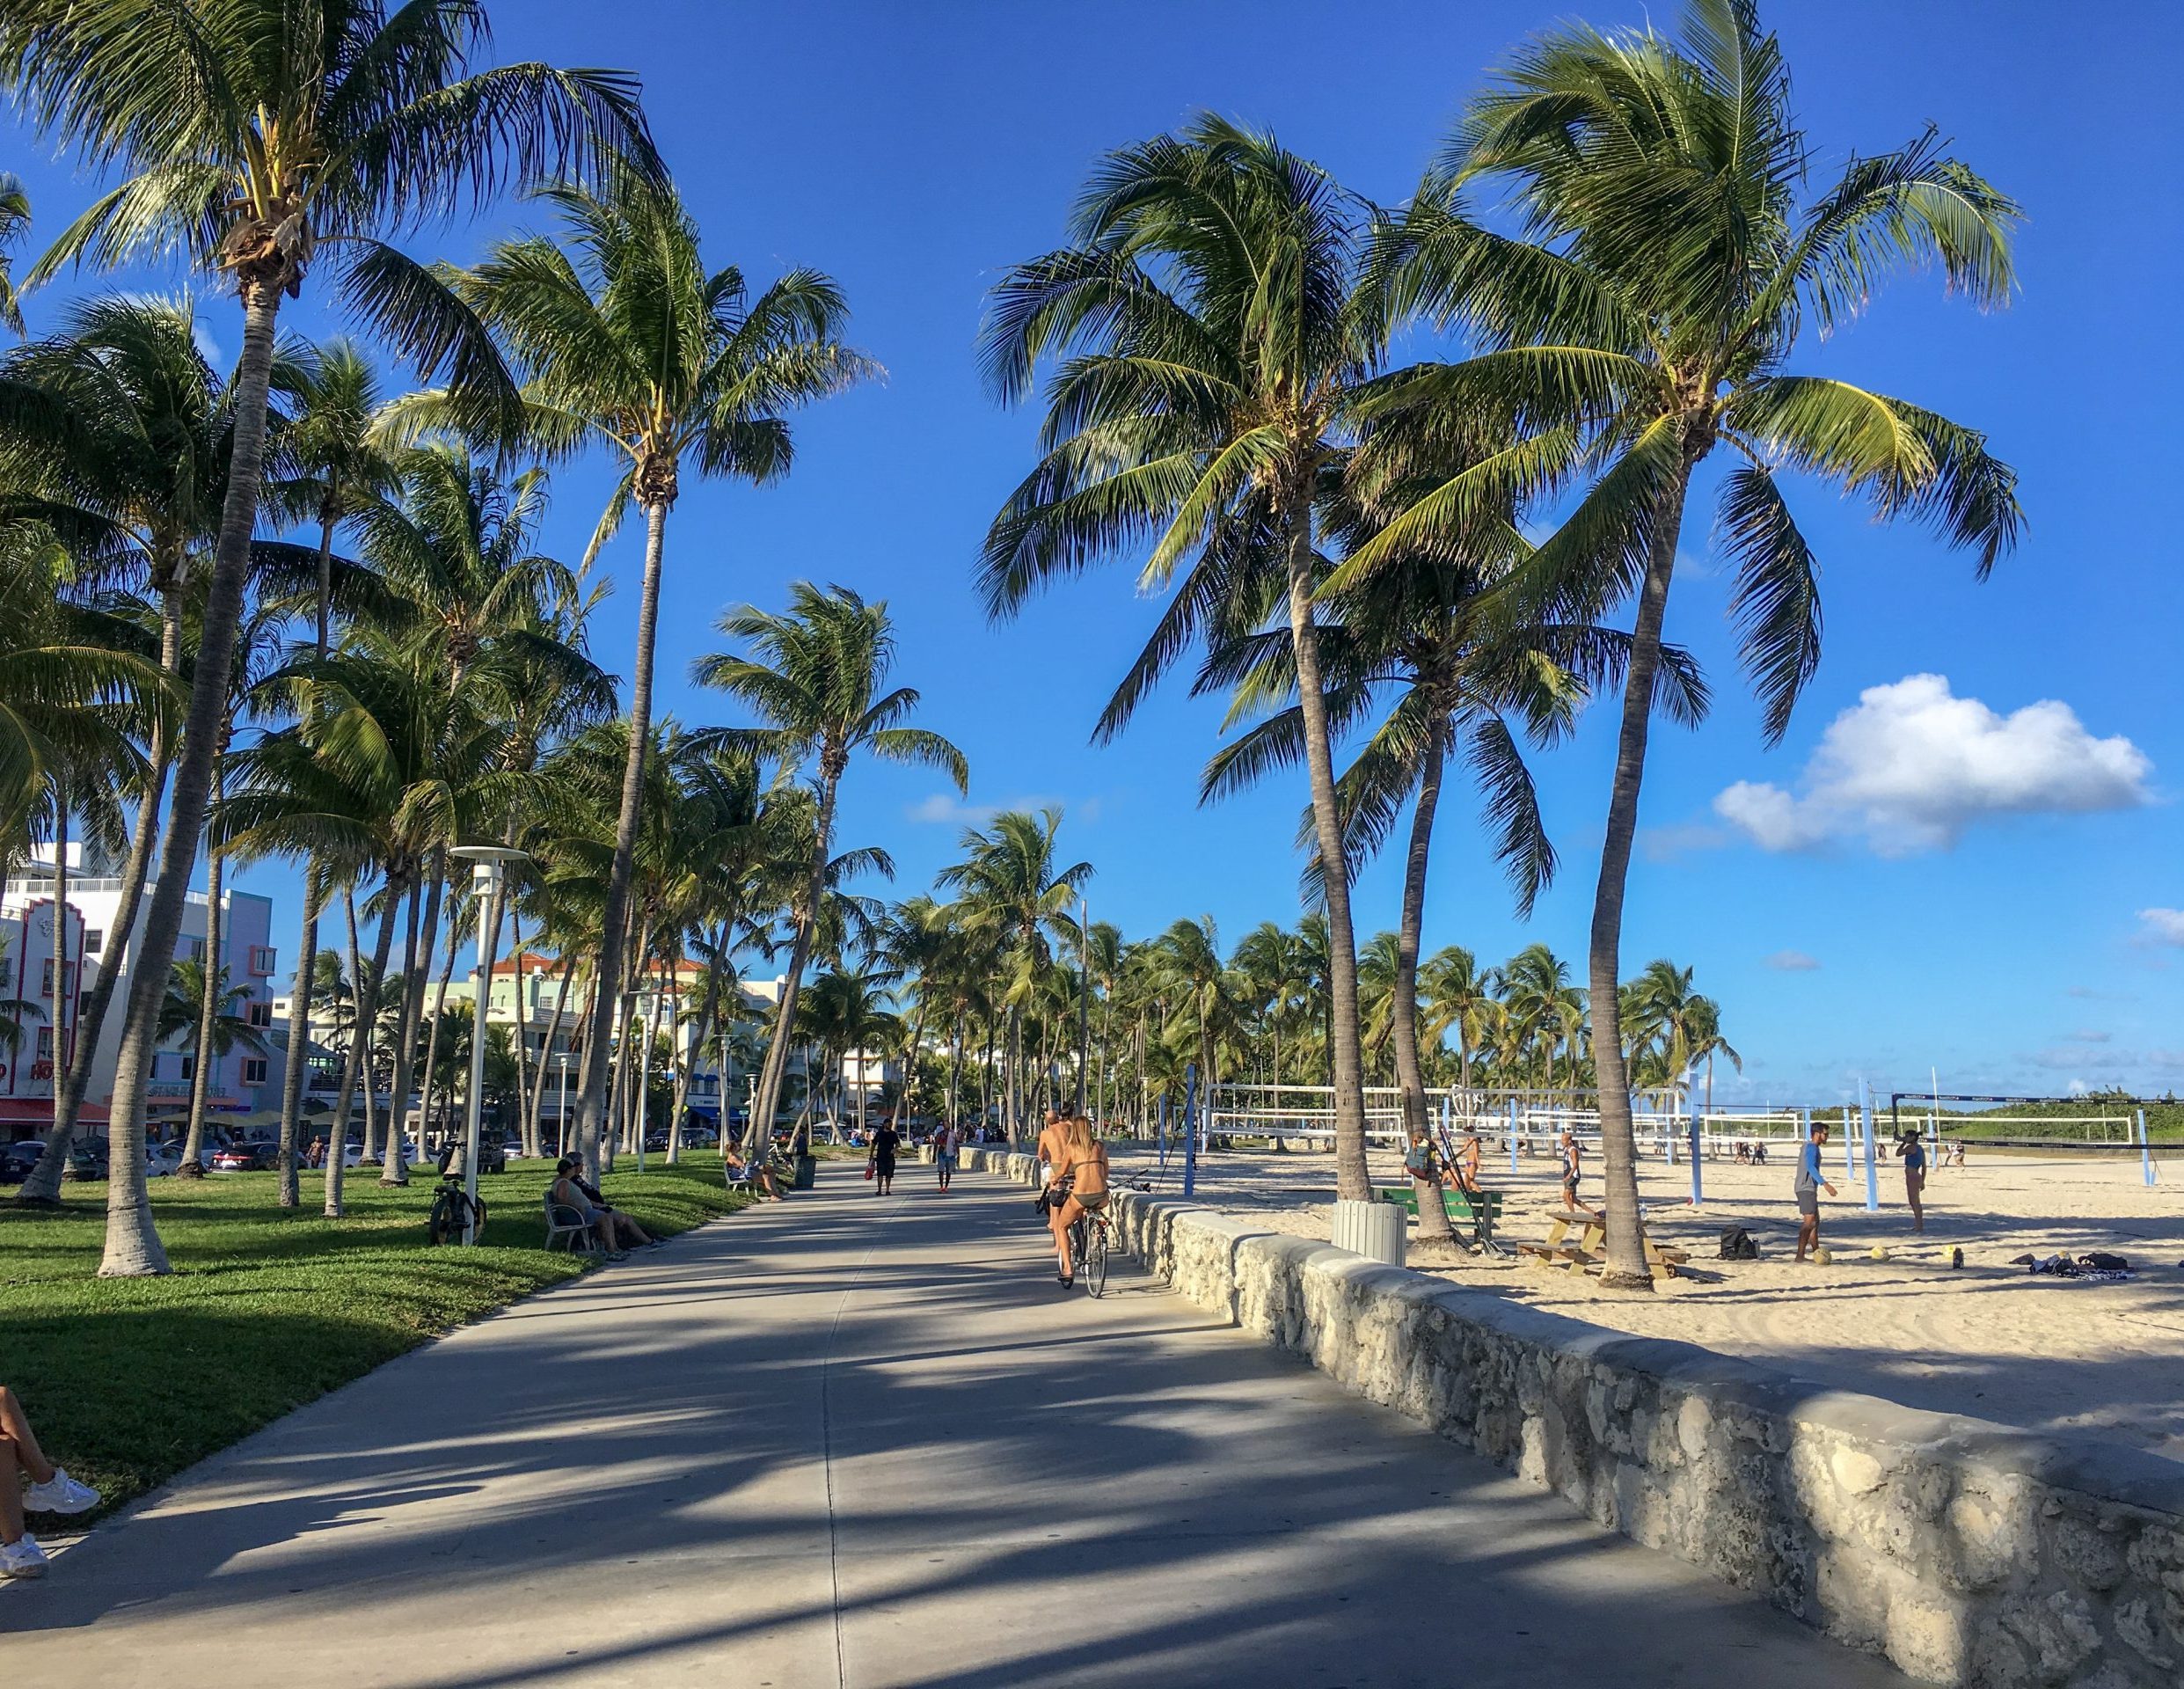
[1589, 1252]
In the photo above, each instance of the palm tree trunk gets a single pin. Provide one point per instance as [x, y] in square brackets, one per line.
[132, 1247]
[1626, 1268]
[432, 1034]
[360, 1050]
[592, 1101]
[776, 1070]
[299, 1012]
[538, 1081]
[1352, 1183]
[208, 1010]
[42, 1188]
[523, 1024]
[1433, 1216]
[360, 1035]
[416, 952]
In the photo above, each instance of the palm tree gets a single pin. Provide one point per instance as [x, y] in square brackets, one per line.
[623, 338]
[251, 134]
[116, 435]
[815, 674]
[212, 1020]
[1458, 997]
[14, 217]
[337, 438]
[1012, 889]
[1644, 319]
[1210, 356]
[387, 766]
[1271, 964]
[1186, 963]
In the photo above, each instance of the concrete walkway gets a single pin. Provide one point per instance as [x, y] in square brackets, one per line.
[849, 1441]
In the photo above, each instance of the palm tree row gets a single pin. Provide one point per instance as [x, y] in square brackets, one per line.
[1612, 255]
[461, 707]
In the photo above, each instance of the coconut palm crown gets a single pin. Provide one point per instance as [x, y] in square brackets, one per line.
[1641, 318]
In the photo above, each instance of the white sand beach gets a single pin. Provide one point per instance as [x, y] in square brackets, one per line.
[1988, 1339]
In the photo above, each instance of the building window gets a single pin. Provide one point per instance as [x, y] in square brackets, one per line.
[197, 949]
[260, 1014]
[189, 1067]
[44, 984]
[44, 1052]
[254, 1070]
[94, 940]
[262, 959]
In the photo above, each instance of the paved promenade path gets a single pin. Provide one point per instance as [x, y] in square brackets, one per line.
[865, 1442]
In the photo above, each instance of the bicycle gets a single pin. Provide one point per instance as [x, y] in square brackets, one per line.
[1088, 1248]
[450, 1203]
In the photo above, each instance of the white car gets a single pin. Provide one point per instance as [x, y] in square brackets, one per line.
[162, 1160]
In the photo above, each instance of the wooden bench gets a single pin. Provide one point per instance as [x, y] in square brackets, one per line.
[1458, 1206]
[1590, 1251]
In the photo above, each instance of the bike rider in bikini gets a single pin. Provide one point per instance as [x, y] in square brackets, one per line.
[1079, 1186]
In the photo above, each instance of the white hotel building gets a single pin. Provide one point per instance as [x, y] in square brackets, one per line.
[242, 1082]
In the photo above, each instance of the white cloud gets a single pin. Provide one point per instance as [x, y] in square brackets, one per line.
[2162, 926]
[2087, 1035]
[1793, 962]
[1911, 766]
[943, 809]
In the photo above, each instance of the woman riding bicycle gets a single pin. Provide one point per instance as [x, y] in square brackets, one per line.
[1080, 1180]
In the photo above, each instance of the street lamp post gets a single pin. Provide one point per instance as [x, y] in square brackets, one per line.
[487, 863]
[561, 1108]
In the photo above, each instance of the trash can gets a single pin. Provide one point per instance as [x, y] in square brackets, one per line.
[806, 1173]
[1374, 1230]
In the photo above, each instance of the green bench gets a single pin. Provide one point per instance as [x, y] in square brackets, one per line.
[1457, 1204]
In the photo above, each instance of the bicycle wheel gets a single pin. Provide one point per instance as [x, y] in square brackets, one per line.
[442, 1228]
[1093, 1265]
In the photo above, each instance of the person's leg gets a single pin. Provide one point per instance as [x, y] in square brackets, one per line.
[1065, 1219]
[1915, 1187]
[15, 1428]
[603, 1225]
[11, 1493]
[1807, 1233]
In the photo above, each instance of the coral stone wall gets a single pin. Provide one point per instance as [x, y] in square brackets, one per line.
[1967, 1552]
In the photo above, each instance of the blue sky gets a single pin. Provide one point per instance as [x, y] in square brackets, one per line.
[1935, 879]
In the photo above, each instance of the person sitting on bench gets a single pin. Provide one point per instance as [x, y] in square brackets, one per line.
[610, 1224]
[758, 1173]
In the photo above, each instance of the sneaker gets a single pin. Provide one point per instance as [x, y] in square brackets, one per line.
[24, 1559]
[60, 1494]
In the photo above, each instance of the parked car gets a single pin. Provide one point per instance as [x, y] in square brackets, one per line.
[18, 1159]
[162, 1160]
[87, 1159]
[243, 1158]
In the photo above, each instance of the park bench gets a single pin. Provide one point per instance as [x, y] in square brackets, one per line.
[1458, 1206]
[566, 1229]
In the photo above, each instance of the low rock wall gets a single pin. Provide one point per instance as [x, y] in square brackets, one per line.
[1967, 1552]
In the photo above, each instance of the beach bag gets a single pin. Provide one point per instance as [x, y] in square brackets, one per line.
[1737, 1244]
[868, 1170]
[2099, 1261]
[1418, 1162]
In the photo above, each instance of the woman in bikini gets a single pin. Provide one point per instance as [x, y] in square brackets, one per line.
[1081, 1172]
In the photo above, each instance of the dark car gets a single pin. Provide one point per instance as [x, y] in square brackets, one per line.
[18, 1159]
[87, 1159]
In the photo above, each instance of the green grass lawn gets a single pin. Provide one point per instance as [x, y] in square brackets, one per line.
[129, 1380]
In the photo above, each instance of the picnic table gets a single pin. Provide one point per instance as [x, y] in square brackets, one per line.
[1589, 1252]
